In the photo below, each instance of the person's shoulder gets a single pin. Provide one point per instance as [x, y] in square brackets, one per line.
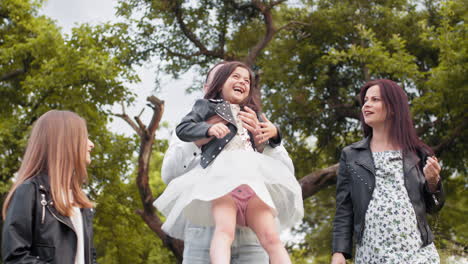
[207, 101]
[25, 189]
[359, 145]
[202, 103]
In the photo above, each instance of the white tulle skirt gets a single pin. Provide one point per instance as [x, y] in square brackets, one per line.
[188, 197]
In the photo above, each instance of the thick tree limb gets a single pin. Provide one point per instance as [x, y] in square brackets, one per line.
[219, 52]
[129, 121]
[177, 9]
[12, 74]
[181, 55]
[147, 136]
[292, 23]
[270, 31]
[317, 180]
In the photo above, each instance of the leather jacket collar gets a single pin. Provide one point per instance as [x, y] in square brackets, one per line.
[410, 159]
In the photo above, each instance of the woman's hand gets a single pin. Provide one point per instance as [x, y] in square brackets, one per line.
[267, 130]
[262, 131]
[338, 258]
[249, 119]
[251, 123]
[431, 172]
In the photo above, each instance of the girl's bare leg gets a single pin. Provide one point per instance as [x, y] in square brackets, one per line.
[262, 222]
[224, 213]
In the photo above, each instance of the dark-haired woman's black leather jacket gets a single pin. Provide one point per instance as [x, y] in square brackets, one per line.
[35, 233]
[193, 127]
[355, 184]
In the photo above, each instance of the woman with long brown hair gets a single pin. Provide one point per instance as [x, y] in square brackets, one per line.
[385, 186]
[47, 216]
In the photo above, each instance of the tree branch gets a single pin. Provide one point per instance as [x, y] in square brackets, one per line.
[129, 121]
[181, 55]
[12, 74]
[274, 3]
[155, 223]
[270, 31]
[292, 23]
[240, 7]
[147, 137]
[317, 180]
[158, 107]
[176, 8]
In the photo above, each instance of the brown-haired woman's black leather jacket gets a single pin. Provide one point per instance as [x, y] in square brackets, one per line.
[355, 184]
[35, 233]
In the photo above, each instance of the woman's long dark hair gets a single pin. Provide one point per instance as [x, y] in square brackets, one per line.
[402, 131]
[220, 77]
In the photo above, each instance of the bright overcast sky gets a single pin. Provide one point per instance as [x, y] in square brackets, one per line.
[69, 13]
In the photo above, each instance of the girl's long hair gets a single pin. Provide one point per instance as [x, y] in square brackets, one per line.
[57, 147]
[222, 74]
[402, 131]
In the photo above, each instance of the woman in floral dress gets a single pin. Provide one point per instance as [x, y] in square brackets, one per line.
[386, 184]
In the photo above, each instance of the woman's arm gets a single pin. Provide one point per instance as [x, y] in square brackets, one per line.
[281, 154]
[343, 222]
[17, 235]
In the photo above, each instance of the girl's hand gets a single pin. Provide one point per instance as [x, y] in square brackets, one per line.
[218, 130]
[338, 258]
[431, 172]
[267, 130]
[212, 120]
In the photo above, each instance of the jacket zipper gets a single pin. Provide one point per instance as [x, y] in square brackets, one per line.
[435, 199]
[43, 203]
[61, 221]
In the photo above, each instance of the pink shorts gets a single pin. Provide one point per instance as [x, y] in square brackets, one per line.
[242, 195]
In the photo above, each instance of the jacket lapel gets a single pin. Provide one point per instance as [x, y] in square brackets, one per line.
[409, 161]
[365, 159]
[223, 109]
[44, 186]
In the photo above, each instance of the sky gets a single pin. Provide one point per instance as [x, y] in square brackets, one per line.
[70, 13]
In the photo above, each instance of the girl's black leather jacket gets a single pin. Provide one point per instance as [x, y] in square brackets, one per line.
[193, 127]
[35, 233]
[355, 184]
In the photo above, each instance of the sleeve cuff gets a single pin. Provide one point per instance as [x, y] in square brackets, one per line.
[274, 142]
[438, 189]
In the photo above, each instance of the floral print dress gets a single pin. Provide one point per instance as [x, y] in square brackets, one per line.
[391, 234]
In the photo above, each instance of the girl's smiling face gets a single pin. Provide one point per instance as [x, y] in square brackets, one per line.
[237, 87]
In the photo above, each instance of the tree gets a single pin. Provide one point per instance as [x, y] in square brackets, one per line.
[120, 235]
[41, 69]
[326, 65]
[312, 57]
[311, 72]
